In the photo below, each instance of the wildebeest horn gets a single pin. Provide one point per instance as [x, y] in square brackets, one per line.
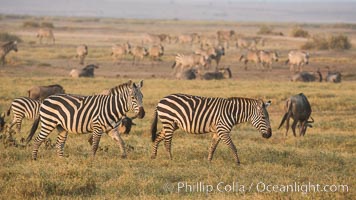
[311, 121]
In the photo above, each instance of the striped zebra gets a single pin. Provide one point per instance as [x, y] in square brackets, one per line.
[84, 114]
[6, 48]
[23, 107]
[200, 115]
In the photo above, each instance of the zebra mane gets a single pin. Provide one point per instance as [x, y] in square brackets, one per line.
[9, 43]
[120, 88]
[238, 98]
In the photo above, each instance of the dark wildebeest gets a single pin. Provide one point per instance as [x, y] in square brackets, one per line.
[42, 92]
[2, 121]
[307, 77]
[87, 71]
[221, 73]
[333, 76]
[123, 127]
[298, 108]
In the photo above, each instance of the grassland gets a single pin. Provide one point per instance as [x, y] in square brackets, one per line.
[325, 156]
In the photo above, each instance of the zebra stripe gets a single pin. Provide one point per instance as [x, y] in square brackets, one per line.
[23, 107]
[6, 48]
[199, 115]
[84, 114]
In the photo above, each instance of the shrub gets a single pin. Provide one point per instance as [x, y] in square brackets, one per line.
[340, 42]
[30, 24]
[265, 30]
[6, 37]
[299, 32]
[47, 25]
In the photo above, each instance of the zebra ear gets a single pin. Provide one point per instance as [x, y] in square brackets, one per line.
[268, 103]
[129, 82]
[141, 83]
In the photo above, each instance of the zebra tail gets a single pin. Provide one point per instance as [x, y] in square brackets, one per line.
[8, 111]
[33, 129]
[154, 126]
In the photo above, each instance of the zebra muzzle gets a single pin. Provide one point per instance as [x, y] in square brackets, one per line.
[141, 113]
[268, 134]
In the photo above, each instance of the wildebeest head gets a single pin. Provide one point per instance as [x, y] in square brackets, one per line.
[305, 125]
[261, 119]
[136, 99]
[2, 121]
[125, 125]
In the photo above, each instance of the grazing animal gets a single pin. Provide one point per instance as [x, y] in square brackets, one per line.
[151, 39]
[138, 52]
[156, 51]
[42, 92]
[307, 77]
[199, 115]
[2, 122]
[246, 43]
[183, 62]
[267, 58]
[189, 38]
[251, 56]
[221, 73]
[187, 74]
[45, 33]
[87, 71]
[333, 76]
[214, 53]
[224, 37]
[23, 107]
[6, 48]
[297, 59]
[119, 50]
[82, 52]
[298, 108]
[84, 114]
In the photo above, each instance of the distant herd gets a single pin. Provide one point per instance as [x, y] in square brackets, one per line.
[200, 60]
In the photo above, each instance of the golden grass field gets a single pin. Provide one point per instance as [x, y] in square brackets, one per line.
[325, 156]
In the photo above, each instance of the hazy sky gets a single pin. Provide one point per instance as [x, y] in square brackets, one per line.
[230, 10]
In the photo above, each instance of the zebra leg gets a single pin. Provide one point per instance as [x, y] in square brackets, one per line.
[227, 140]
[159, 138]
[214, 143]
[40, 138]
[168, 142]
[115, 135]
[61, 140]
[96, 139]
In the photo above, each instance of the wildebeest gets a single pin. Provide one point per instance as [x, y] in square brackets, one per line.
[298, 108]
[186, 74]
[82, 52]
[42, 92]
[45, 33]
[297, 59]
[333, 76]
[214, 53]
[267, 57]
[183, 62]
[6, 48]
[87, 71]
[123, 127]
[2, 122]
[221, 73]
[251, 56]
[119, 50]
[138, 52]
[156, 51]
[307, 77]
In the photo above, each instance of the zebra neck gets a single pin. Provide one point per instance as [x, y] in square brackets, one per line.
[242, 110]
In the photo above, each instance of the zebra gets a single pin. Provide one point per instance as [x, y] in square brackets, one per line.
[199, 115]
[83, 114]
[6, 48]
[23, 107]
